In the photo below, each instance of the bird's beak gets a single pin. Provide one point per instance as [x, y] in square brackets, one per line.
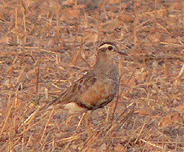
[121, 52]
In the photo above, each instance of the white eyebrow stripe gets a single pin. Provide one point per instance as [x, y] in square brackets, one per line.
[105, 46]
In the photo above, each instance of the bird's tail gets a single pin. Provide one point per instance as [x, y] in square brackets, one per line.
[54, 102]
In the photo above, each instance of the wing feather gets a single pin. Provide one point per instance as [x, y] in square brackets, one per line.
[73, 92]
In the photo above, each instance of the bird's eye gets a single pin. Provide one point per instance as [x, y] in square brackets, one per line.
[110, 47]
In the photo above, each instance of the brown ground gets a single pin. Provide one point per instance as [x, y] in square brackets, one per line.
[47, 44]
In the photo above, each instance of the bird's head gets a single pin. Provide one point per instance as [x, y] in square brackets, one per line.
[108, 50]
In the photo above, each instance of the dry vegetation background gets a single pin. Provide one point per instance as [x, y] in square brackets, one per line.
[46, 44]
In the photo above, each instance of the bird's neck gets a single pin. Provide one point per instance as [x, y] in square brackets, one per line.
[106, 65]
[101, 59]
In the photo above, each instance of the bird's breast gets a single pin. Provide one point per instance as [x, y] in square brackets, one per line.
[100, 94]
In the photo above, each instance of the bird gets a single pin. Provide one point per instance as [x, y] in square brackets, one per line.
[97, 87]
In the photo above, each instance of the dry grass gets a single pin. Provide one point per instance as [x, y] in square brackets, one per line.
[45, 45]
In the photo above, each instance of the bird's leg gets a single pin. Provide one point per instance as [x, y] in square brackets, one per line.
[89, 132]
[85, 115]
[81, 119]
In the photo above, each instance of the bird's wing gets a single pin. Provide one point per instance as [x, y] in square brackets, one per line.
[79, 87]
